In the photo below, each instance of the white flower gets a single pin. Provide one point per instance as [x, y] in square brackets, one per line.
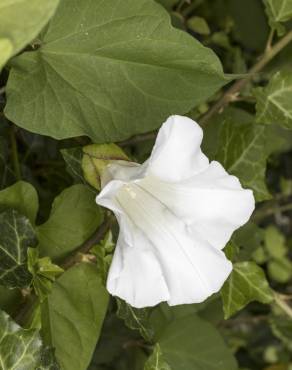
[176, 212]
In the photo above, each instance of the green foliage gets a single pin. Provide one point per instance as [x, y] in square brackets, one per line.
[20, 23]
[136, 318]
[130, 51]
[156, 360]
[43, 272]
[19, 348]
[74, 208]
[278, 11]
[22, 197]
[192, 343]
[239, 145]
[95, 159]
[16, 236]
[73, 316]
[273, 101]
[85, 83]
[246, 283]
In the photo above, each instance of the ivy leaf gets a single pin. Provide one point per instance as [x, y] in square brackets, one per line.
[96, 59]
[136, 319]
[193, 343]
[278, 11]
[19, 348]
[246, 283]
[73, 316]
[22, 197]
[74, 217]
[242, 153]
[274, 100]
[156, 360]
[16, 236]
[20, 22]
[73, 159]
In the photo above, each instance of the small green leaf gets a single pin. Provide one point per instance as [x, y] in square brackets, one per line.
[136, 318]
[278, 11]
[73, 316]
[104, 253]
[109, 71]
[246, 283]
[20, 349]
[191, 343]
[199, 25]
[280, 270]
[242, 153]
[21, 21]
[156, 360]
[275, 242]
[95, 159]
[73, 159]
[16, 236]
[74, 217]
[274, 100]
[44, 273]
[21, 196]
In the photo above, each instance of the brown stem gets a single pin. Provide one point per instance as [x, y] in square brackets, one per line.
[233, 91]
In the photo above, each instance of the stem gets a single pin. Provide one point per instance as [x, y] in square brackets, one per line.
[270, 40]
[233, 91]
[14, 153]
[283, 305]
[263, 213]
[138, 138]
[85, 247]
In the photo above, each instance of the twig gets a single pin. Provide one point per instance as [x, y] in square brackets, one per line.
[280, 302]
[271, 210]
[14, 153]
[138, 138]
[234, 90]
[85, 247]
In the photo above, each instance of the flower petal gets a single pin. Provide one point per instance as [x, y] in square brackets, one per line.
[192, 269]
[176, 154]
[212, 203]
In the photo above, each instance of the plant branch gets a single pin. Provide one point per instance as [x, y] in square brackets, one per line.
[14, 153]
[234, 90]
[97, 236]
[280, 302]
[271, 210]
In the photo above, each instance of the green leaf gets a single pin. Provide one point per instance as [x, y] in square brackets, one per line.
[103, 252]
[20, 22]
[74, 217]
[242, 153]
[95, 159]
[19, 348]
[278, 11]
[48, 360]
[280, 270]
[274, 100]
[44, 273]
[73, 159]
[21, 196]
[192, 343]
[246, 283]
[136, 318]
[16, 236]
[6, 50]
[73, 316]
[199, 25]
[156, 360]
[109, 70]
[275, 242]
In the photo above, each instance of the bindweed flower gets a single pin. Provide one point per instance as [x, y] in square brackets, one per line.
[176, 212]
